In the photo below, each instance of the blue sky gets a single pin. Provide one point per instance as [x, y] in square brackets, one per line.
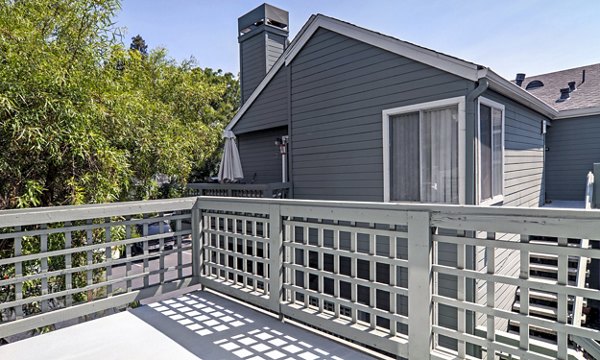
[510, 36]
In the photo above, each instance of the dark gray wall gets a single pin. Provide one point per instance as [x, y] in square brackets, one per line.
[252, 64]
[574, 145]
[258, 53]
[339, 88]
[523, 153]
[275, 45]
[269, 110]
[260, 155]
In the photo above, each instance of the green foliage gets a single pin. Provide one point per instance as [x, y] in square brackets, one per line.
[138, 43]
[85, 120]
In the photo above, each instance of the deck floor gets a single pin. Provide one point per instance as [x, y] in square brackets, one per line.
[566, 204]
[198, 325]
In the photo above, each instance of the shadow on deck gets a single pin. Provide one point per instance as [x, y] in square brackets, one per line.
[197, 325]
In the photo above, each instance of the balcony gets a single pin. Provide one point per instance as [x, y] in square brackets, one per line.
[394, 280]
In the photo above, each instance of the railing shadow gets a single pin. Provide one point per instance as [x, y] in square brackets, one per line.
[212, 327]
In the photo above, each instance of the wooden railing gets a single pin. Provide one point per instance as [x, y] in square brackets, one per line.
[395, 277]
[64, 262]
[589, 345]
[271, 190]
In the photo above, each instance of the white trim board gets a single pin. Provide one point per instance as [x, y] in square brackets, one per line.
[461, 68]
[499, 198]
[387, 113]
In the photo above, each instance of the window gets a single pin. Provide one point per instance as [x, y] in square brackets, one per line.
[491, 152]
[424, 152]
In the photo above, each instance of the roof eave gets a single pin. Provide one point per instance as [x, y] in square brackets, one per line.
[507, 88]
[571, 113]
[444, 62]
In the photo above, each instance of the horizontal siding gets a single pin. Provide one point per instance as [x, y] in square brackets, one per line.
[523, 154]
[574, 146]
[253, 64]
[523, 186]
[270, 109]
[260, 157]
[275, 46]
[339, 88]
[508, 264]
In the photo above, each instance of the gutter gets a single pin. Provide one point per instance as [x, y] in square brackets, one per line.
[512, 91]
[565, 114]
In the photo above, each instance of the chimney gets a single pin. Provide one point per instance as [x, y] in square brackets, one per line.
[564, 94]
[572, 86]
[582, 77]
[519, 79]
[263, 36]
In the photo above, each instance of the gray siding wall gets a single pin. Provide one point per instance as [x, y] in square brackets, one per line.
[523, 186]
[275, 46]
[257, 55]
[252, 64]
[270, 109]
[260, 155]
[574, 146]
[523, 154]
[339, 88]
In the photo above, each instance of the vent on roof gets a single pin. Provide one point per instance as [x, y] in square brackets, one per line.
[534, 85]
[519, 79]
[564, 94]
[572, 85]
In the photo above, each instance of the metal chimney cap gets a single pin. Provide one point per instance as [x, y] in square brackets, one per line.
[264, 14]
[572, 85]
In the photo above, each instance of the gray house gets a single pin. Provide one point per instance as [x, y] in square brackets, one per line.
[368, 117]
[373, 118]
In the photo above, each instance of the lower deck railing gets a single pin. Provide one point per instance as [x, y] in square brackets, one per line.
[399, 278]
[269, 191]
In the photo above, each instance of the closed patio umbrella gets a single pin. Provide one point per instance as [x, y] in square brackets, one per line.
[231, 166]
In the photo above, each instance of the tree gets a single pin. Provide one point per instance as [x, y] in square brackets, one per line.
[138, 43]
[84, 120]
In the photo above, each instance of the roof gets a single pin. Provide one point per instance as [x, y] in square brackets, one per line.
[586, 96]
[450, 64]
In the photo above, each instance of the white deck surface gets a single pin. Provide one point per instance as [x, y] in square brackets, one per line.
[199, 325]
[566, 204]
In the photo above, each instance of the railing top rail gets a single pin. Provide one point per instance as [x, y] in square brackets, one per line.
[32, 216]
[437, 210]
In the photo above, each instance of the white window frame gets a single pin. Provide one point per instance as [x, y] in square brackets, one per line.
[388, 113]
[497, 198]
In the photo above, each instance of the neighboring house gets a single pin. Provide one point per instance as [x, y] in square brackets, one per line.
[572, 141]
[373, 118]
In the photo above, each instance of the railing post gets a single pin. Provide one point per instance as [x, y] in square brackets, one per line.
[420, 306]
[276, 258]
[596, 188]
[196, 241]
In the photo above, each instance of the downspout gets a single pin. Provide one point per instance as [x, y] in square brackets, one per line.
[471, 126]
[470, 146]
